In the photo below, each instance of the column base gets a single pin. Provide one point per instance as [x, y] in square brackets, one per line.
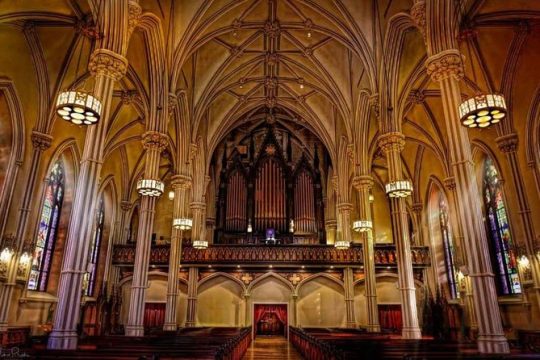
[373, 328]
[493, 344]
[62, 340]
[351, 325]
[3, 327]
[134, 330]
[411, 333]
[170, 327]
[190, 324]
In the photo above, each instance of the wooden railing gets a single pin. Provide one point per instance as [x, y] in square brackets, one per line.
[235, 348]
[385, 255]
[311, 348]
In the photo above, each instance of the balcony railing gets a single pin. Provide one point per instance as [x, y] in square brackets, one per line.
[385, 255]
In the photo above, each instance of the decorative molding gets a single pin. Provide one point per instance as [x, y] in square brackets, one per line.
[448, 63]
[104, 62]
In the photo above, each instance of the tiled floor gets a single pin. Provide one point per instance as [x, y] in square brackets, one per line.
[271, 348]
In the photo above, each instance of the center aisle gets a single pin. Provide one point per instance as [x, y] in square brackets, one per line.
[271, 348]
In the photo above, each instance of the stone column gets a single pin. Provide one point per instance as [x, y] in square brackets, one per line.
[154, 143]
[40, 142]
[193, 285]
[446, 68]
[124, 222]
[198, 211]
[363, 185]
[508, 144]
[344, 221]
[294, 298]
[180, 184]
[392, 144]
[107, 67]
[247, 309]
[331, 229]
[348, 281]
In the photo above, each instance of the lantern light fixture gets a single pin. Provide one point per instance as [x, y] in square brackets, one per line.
[249, 227]
[150, 187]
[291, 226]
[182, 223]
[200, 244]
[342, 245]
[78, 107]
[483, 110]
[362, 225]
[399, 189]
[171, 195]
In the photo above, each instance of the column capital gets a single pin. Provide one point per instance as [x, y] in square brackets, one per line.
[418, 15]
[417, 207]
[331, 224]
[197, 205]
[450, 183]
[125, 205]
[154, 140]
[172, 102]
[448, 63]
[363, 182]
[134, 14]
[40, 140]
[508, 143]
[374, 103]
[391, 141]
[344, 206]
[181, 182]
[107, 63]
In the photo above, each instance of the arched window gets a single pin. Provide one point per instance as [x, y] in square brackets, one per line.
[94, 249]
[448, 247]
[498, 231]
[48, 228]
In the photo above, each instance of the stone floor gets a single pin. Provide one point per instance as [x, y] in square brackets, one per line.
[271, 348]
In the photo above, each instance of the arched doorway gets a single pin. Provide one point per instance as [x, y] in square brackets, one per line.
[270, 319]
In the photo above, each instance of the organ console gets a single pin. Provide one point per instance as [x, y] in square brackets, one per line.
[268, 188]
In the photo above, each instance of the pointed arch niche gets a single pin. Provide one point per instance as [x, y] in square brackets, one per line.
[442, 242]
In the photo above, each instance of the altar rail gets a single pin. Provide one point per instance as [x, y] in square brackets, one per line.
[385, 255]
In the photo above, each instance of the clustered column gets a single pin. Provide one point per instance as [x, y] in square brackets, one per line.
[392, 144]
[363, 185]
[348, 280]
[508, 144]
[154, 143]
[41, 142]
[107, 68]
[180, 184]
[446, 68]
[344, 221]
[193, 284]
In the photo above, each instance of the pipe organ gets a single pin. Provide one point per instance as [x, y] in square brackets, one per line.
[267, 187]
[270, 197]
[236, 199]
[304, 201]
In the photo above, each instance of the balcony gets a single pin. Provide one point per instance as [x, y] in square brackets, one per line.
[385, 255]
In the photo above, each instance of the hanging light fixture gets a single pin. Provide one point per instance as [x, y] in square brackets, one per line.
[171, 195]
[150, 187]
[482, 110]
[362, 225]
[249, 227]
[342, 245]
[399, 189]
[200, 244]
[291, 226]
[78, 105]
[183, 223]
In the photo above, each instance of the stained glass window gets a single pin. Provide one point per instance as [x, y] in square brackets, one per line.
[94, 249]
[498, 231]
[48, 228]
[448, 247]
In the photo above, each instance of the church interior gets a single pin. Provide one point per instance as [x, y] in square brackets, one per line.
[270, 179]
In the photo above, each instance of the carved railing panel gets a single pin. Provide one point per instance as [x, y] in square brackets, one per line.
[385, 255]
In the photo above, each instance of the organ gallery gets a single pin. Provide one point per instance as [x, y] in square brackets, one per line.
[258, 179]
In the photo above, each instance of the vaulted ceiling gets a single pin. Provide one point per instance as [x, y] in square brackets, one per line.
[312, 59]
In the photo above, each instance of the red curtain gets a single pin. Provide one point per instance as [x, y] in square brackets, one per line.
[390, 317]
[279, 309]
[154, 315]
